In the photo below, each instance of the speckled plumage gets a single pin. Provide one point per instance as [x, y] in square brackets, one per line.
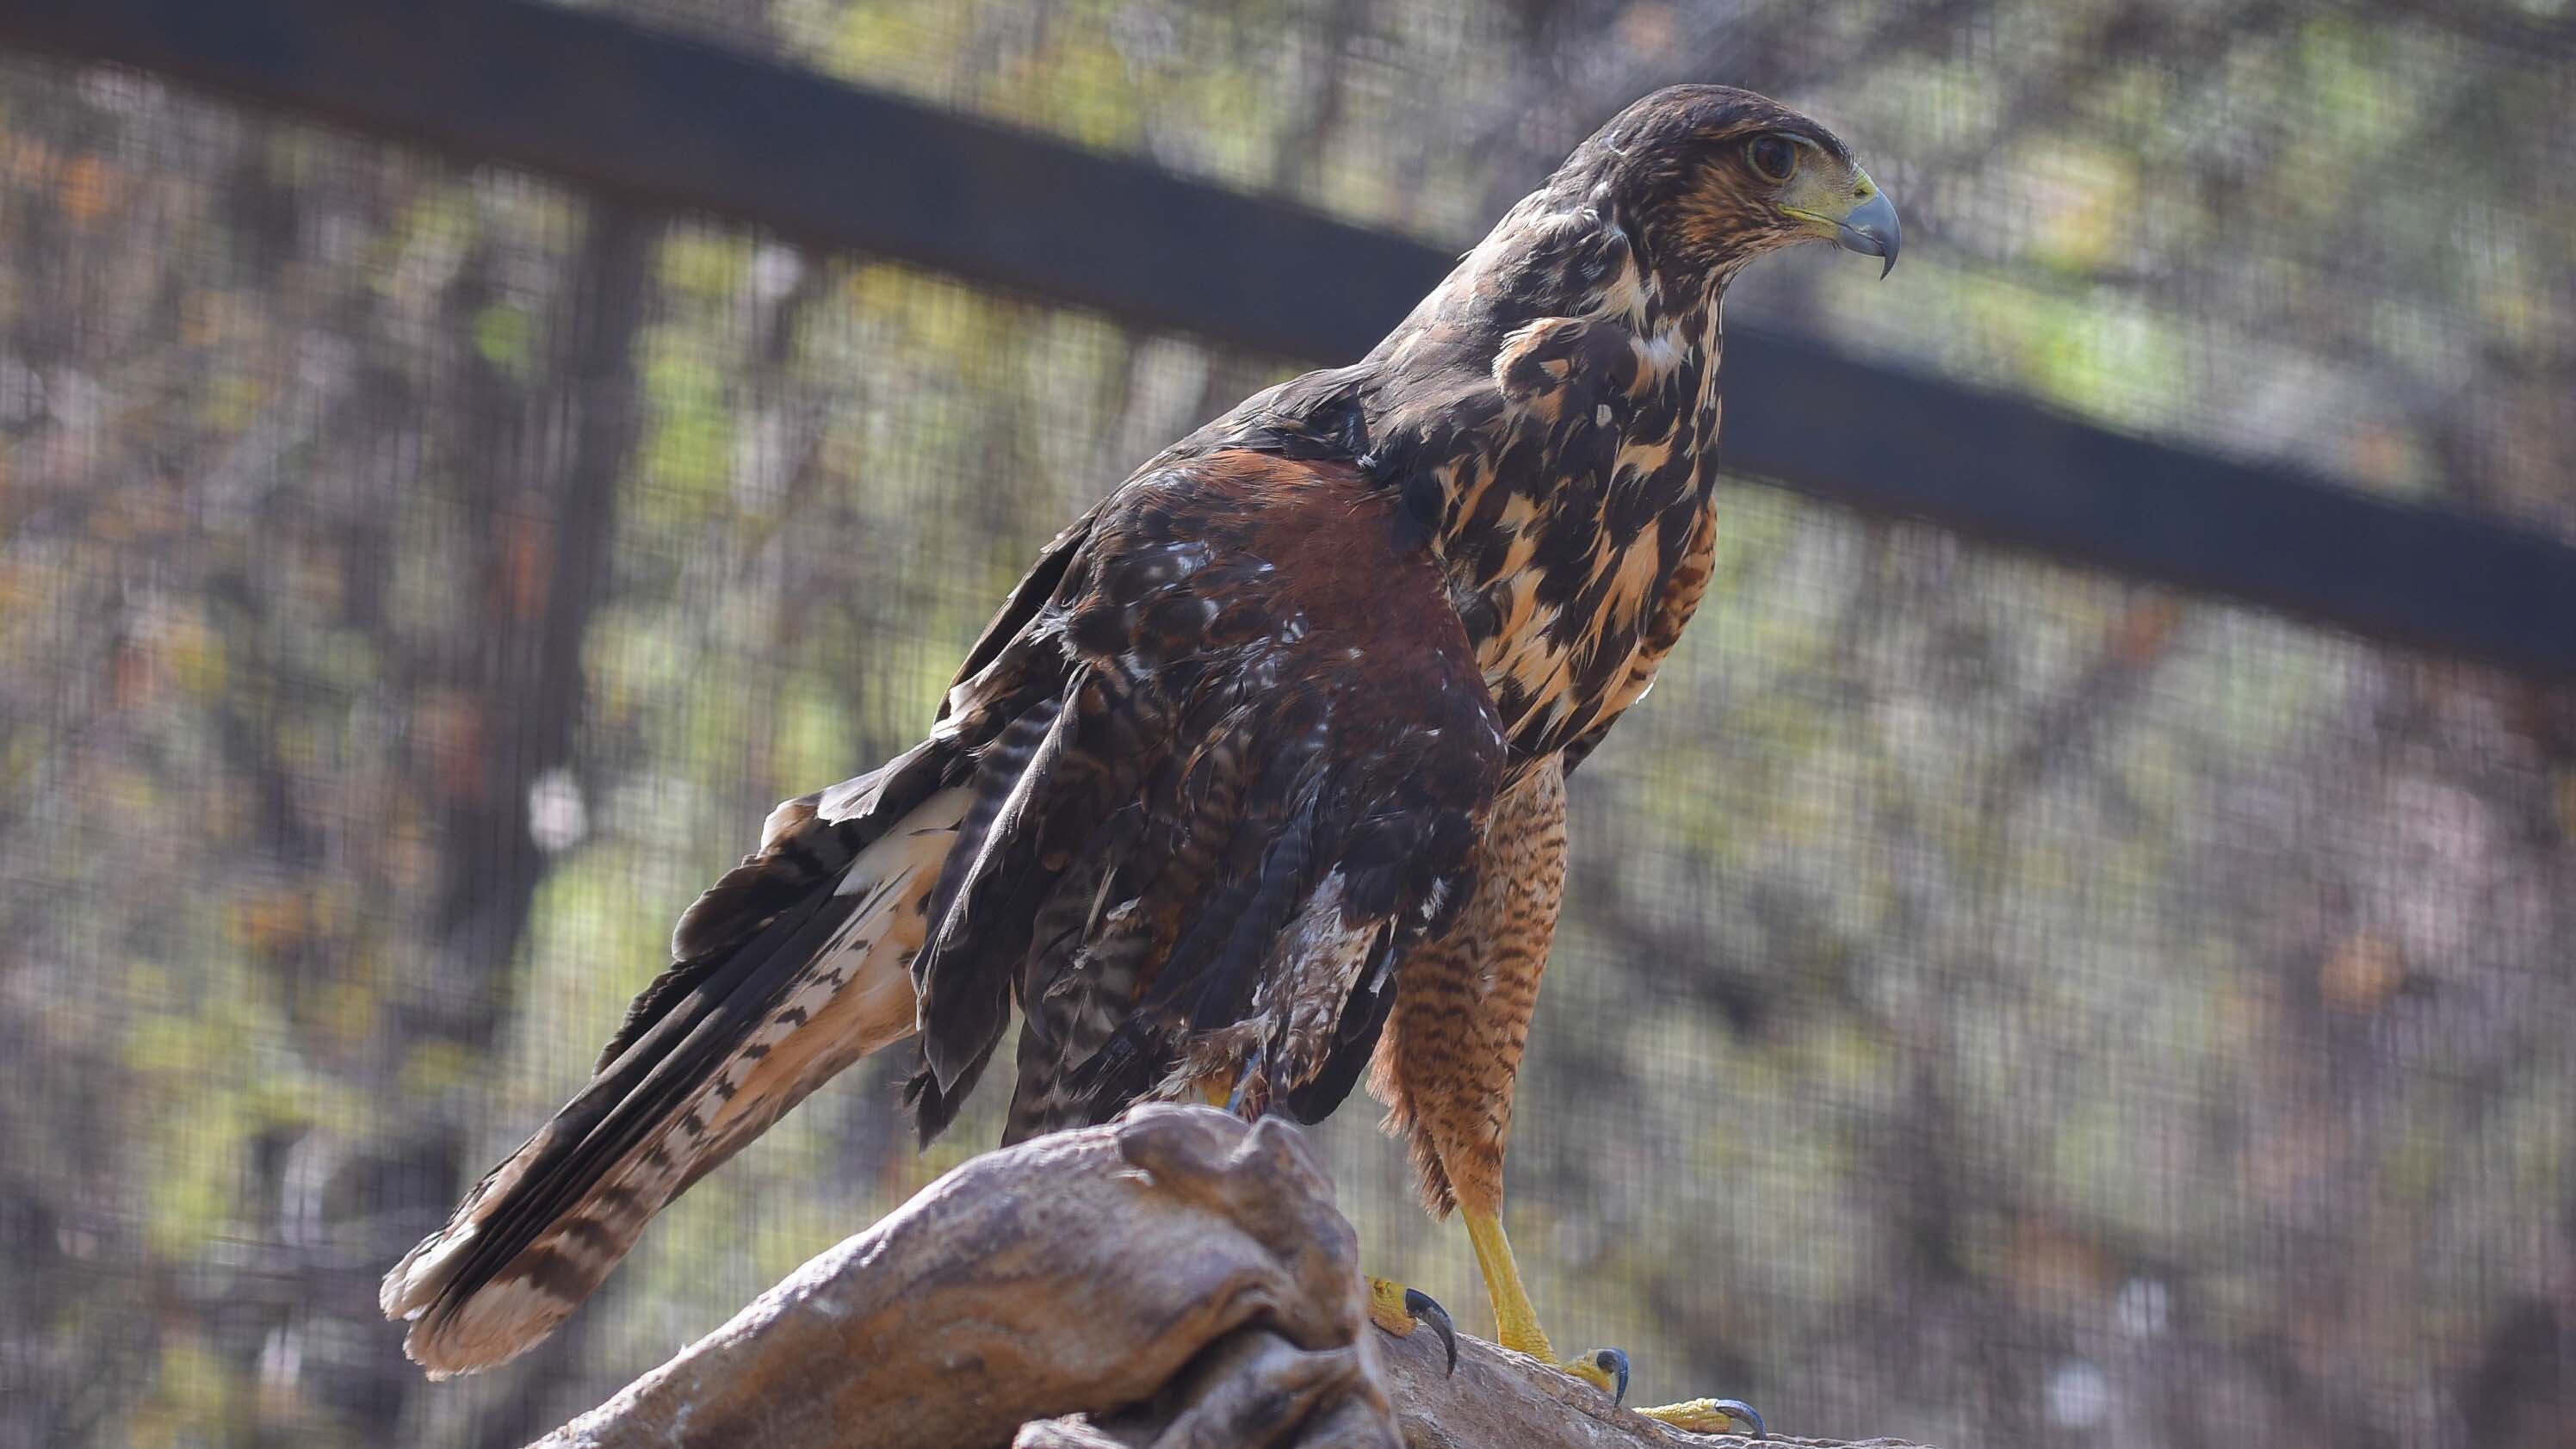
[1256, 777]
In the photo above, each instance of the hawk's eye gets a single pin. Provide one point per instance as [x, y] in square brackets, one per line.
[1773, 156]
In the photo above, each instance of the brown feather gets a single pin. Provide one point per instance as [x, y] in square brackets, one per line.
[1242, 615]
[1210, 796]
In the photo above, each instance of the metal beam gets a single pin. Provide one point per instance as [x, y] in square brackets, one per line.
[669, 123]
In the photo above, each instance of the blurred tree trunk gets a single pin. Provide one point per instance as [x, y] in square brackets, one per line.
[538, 469]
[541, 471]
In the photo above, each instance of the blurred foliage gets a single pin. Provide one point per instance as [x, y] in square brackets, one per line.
[2000, 1005]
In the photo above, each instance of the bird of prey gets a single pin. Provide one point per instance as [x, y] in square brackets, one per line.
[1255, 785]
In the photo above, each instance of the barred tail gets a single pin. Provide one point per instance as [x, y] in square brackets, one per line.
[793, 967]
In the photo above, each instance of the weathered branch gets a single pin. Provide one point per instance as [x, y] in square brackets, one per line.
[1174, 1279]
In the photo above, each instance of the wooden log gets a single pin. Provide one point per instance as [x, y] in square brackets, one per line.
[1177, 1278]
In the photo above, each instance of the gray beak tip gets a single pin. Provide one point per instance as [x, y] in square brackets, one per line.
[1872, 230]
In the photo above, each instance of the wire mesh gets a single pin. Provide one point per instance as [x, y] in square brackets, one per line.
[1998, 1004]
[2332, 234]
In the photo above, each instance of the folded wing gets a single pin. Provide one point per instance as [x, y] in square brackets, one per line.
[1218, 761]
[1195, 865]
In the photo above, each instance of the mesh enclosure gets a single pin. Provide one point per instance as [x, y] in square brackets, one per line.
[1998, 1004]
[2327, 233]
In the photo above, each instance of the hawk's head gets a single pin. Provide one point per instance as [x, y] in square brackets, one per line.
[1710, 177]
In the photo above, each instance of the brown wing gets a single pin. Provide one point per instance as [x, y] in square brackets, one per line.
[1028, 596]
[1218, 755]
[1260, 777]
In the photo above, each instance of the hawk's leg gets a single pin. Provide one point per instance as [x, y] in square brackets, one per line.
[1516, 1324]
[1451, 1050]
[1517, 1328]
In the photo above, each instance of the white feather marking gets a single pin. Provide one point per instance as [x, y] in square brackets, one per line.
[1319, 957]
[501, 1321]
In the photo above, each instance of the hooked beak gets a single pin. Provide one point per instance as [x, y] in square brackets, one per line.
[1846, 208]
[1871, 230]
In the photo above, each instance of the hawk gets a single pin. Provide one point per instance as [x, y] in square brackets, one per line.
[1255, 785]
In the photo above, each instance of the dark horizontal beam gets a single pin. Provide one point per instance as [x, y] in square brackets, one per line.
[1995, 468]
[669, 123]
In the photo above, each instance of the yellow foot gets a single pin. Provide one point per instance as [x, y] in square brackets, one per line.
[1396, 1308]
[1607, 1369]
[1709, 1416]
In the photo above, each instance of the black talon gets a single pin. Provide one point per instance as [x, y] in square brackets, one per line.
[1614, 1363]
[1738, 1409]
[1427, 1310]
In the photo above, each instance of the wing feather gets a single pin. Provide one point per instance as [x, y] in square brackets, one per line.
[1271, 755]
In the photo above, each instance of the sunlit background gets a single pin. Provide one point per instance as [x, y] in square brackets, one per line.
[2001, 1004]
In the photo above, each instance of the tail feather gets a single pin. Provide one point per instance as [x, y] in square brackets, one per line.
[710, 1056]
